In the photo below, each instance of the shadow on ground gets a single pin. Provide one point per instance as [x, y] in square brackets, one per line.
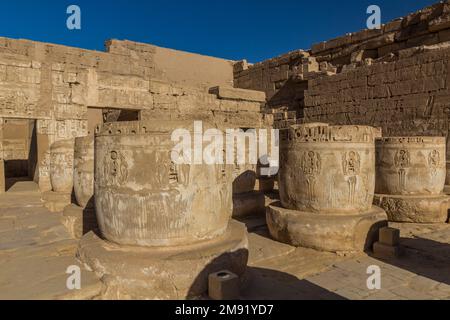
[267, 284]
[424, 257]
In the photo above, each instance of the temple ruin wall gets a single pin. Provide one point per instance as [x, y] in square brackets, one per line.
[405, 97]
[285, 78]
[68, 90]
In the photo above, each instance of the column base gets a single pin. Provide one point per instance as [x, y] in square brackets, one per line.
[79, 221]
[56, 201]
[265, 184]
[415, 209]
[326, 232]
[179, 272]
[249, 203]
[447, 189]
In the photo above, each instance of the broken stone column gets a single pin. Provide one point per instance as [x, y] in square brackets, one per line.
[80, 217]
[326, 184]
[61, 175]
[246, 200]
[166, 225]
[411, 175]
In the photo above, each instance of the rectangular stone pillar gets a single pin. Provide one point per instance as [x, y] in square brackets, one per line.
[2, 161]
[2, 177]
[43, 138]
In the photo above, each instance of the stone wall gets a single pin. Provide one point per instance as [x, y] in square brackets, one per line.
[426, 27]
[407, 96]
[285, 78]
[68, 89]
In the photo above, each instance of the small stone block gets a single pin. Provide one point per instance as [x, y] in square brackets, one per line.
[389, 236]
[223, 285]
[381, 250]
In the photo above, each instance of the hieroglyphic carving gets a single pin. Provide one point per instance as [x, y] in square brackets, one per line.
[402, 161]
[63, 160]
[116, 168]
[20, 104]
[311, 166]
[399, 206]
[434, 160]
[173, 173]
[351, 164]
[44, 167]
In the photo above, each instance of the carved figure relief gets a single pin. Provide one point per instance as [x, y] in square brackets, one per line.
[44, 168]
[173, 173]
[351, 165]
[116, 168]
[311, 166]
[434, 160]
[402, 161]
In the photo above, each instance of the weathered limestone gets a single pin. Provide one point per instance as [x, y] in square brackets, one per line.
[44, 173]
[56, 201]
[447, 179]
[327, 182]
[411, 173]
[143, 198]
[325, 232]
[61, 165]
[2, 176]
[79, 219]
[246, 200]
[178, 272]
[83, 174]
[238, 94]
[166, 225]
[61, 175]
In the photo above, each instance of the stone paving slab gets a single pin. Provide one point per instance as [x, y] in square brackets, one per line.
[423, 273]
[36, 250]
[262, 248]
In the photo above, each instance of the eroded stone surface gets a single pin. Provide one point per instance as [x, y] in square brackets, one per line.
[83, 171]
[328, 169]
[411, 173]
[36, 250]
[326, 186]
[338, 232]
[144, 198]
[176, 272]
[411, 165]
[61, 165]
[276, 271]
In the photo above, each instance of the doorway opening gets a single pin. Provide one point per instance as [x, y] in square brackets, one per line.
[20, 151]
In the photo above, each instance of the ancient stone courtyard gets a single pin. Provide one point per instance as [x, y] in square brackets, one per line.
[36, 250]
[92, 179]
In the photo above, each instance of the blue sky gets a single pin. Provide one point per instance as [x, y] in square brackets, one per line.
[232, 29]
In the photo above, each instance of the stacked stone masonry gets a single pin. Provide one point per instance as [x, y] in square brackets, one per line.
[68, 91]
[303, 81]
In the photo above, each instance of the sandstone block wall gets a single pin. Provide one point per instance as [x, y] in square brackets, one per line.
[69, 90]
[426, 27]
[285, 78]
[408, 96]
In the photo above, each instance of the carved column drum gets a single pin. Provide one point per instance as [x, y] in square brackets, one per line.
[143, 198]
[328, 169]
[61, 165]
[411, 165]
[244, 178]
[83, 173]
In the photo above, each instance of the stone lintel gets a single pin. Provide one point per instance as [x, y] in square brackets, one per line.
[229, 93]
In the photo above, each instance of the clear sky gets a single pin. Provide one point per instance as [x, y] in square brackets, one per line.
[232, 29]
